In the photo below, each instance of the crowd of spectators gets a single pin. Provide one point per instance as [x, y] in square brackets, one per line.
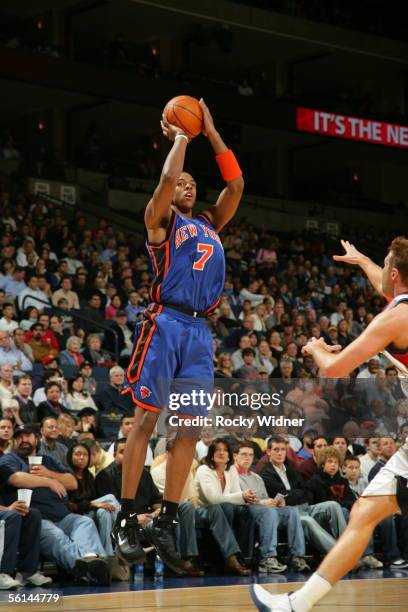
[71, 293]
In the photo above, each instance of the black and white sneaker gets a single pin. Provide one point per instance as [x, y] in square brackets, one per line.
[126, 538]
[162, 534]
[93, 570]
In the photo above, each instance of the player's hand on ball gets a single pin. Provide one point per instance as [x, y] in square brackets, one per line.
[208, 121]
[351, 256]
[313, 343]
[169, 130]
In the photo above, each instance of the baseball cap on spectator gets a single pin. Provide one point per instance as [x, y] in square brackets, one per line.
[25, 428]
[48, 359]
[85, 364]
[120, 313]
[88, 411]
[262, 370]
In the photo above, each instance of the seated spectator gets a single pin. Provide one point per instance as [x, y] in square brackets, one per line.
[72, 354]
[306, 452]
[310, 466]
[224, 366]
[109, 398]
[322, 522]
[13, 357]
[268, 514]
[51, 374]
[21, 345]
[60, 332]
[112, 308]
[328, 484]
[100, 459]
[48, 336]
[218, 484]
[7, 321]
[125, 427]
[27, 411]
[124, 335]
[237, 358]
[65, 291]
[69, 540]
[66, 430]
[109, 479]
[20, 546]
[49, 444]
[33, 296]
[90, 384]
[84, 499]
[14, 283]
[30, 316]
[39, 346]
[6, 434]
[94, 353]
[93, 314]
[52, 406]
[77, 397]
[7, 387]
[192, 516]
[134, 307]
[202, 446]
[248, 371]
[368, 460]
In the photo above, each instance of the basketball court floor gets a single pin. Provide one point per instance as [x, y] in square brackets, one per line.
[368, 591]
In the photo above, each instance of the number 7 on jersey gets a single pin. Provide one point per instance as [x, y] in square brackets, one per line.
[207, 250]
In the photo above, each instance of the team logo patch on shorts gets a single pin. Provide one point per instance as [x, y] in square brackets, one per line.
[145, 392]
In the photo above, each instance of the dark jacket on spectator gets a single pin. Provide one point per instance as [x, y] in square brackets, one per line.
[109, 481]
[109, 399]
[274, 485]
[147, 495]
[48, 409]
[80, 500]
[28, 410]
[308, 468]
[322, 487]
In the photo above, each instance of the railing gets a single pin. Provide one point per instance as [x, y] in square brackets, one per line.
[79, 317]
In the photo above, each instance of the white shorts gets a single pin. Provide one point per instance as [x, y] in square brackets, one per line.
[385, 482]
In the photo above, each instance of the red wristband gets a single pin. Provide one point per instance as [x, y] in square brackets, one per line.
[228, 165]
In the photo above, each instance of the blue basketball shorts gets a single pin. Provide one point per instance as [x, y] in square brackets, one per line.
[172, 363]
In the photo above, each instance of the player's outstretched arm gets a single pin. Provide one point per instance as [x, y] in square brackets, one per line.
[355, 257]
[381, 332]
[228, 200]
[157, 212]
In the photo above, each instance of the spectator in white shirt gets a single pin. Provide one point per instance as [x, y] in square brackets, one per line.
[7, 322]
[251, 293]
[32, 295]
[24, 251]
[369, 460]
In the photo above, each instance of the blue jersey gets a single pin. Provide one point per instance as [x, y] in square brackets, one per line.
[189, 266]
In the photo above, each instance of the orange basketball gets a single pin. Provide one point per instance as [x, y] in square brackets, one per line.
[185, 112]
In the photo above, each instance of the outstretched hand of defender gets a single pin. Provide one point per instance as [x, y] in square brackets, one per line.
[351, 256]
[208, 121]
[313, 343]
[169, 130]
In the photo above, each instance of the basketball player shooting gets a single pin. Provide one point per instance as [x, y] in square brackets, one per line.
[173, 341]
[387, 493]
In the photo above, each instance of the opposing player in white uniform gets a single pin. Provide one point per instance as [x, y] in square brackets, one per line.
[387, 493]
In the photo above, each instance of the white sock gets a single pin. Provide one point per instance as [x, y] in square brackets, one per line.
[313, 590]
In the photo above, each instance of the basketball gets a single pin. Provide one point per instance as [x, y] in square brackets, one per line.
[185, 112]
